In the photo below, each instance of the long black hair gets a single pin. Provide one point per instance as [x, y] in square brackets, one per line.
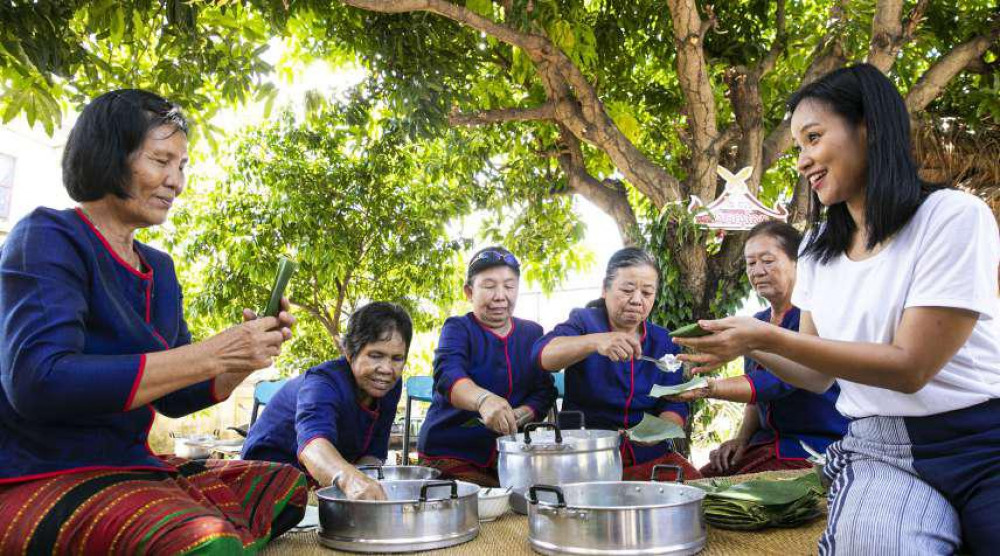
[863, 94]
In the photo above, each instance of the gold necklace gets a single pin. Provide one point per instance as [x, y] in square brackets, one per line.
[132, 259]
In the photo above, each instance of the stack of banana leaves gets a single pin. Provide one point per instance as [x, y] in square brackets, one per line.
[762, 503]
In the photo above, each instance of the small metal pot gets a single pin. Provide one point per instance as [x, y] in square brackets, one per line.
[409, 521]
[193, 447]
[400, 472]
[556, 457]
[617, 518]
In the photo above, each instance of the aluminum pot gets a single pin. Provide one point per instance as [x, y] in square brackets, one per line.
[399, 472]
[193, 447]
[616, 518]
[418, 515]
[553, 456]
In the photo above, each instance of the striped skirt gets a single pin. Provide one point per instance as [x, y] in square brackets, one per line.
[216, 507]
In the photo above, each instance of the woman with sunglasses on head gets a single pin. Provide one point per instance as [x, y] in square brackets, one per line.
[897, 285]
[600, 345]
[485, 383]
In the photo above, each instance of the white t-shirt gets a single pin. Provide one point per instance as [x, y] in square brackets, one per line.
[947, 255]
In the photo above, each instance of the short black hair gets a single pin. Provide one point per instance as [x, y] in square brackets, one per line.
[863, 94]
[376, 322]
[109, 131]
[624, 258]
[490, 257]
[787, 236]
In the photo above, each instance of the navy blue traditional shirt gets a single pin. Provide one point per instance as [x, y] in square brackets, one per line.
[467, 350]
[789, 414]
[615, 395]
[322, 403]
[77, 323]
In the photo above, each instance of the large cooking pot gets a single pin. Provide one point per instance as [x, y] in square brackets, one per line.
[399, 472]
[616, 518]
[418, 515]
[546, 454]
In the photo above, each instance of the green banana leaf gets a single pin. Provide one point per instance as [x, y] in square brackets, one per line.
[762, 503]
[693, 384]
[653, 429]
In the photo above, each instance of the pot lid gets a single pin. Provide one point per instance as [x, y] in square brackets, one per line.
[548, 438]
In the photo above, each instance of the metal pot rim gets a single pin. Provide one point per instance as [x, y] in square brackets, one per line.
[699, 496]
[325, 497]
[574, 440]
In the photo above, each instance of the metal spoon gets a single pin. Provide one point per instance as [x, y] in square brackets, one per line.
[661, 364]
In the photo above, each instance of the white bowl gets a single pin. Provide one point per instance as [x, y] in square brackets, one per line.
[493, 503]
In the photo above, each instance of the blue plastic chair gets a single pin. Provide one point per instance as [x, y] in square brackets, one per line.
[262, 394]
[421, 389]
[560, 380]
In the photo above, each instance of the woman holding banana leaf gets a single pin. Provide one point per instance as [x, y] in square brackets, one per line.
[93, 343]
[600, 347]
[898, 289]
[778, 417]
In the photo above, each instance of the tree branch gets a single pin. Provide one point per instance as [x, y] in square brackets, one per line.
[609, 195]
[887, 34]
[545, 111]
[692, 72]
[936, 78]
[778, 46]
[579, 108]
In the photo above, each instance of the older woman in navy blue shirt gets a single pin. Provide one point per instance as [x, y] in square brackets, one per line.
[339, 414]
[778, 416]
[600, 347]
[93, 343]
[485, 382]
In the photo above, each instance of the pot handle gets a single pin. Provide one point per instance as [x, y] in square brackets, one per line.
[677, 469]
[583, 424]
[535, 489]
[535, 426]
[377, 468]
[434, 484]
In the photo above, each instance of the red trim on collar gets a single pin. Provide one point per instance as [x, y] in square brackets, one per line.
[143, 275]
[490, 330]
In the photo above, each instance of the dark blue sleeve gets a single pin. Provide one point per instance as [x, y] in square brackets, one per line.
[43, 306]
[573, 326]
[379, 446]
[767, 387]
[315, 411]
[543, 389]
[451, 358]
[191, 398]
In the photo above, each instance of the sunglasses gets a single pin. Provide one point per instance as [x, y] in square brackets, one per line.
[495, 257]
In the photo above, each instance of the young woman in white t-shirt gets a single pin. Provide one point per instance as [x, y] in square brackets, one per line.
[898, 289]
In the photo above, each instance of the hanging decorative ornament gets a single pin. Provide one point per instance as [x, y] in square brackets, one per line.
[736, 208]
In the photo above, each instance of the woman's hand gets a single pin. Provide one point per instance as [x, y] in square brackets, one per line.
[285, 319]
[729, 452]
[358, 486]
[498, 416]
[692, 395]
[617, 346]
[731, 337]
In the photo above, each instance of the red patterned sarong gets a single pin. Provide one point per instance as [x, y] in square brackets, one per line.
[461, 470]
[757, 459]
[216, 507]
[644, 471]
